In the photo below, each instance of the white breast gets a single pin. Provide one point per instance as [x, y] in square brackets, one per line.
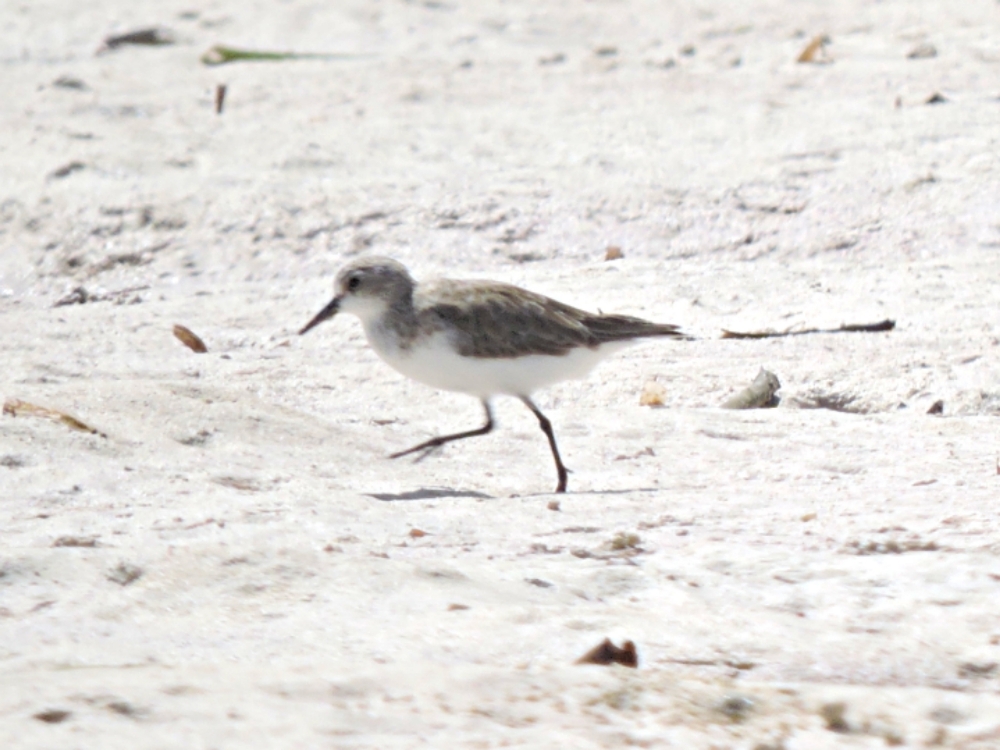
[434, 362]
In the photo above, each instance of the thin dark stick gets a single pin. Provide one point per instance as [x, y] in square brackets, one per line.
[882, 325]
[429, 445]
[547, 429]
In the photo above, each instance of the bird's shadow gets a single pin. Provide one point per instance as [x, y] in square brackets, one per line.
[427, 493]
[436, 493]
[570, 493]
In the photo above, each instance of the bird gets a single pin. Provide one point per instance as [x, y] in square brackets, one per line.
[478, 337]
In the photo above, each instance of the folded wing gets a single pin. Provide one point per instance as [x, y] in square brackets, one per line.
[502, 321]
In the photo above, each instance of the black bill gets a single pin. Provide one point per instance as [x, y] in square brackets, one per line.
[325, 314]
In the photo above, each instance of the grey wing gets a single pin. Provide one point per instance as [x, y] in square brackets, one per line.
[504, 322]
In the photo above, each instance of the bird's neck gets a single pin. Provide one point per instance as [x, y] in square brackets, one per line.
[395, 327]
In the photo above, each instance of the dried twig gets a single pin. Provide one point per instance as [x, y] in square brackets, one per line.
[882, 325]
[15, 407]
[815, 51]
[220, 55]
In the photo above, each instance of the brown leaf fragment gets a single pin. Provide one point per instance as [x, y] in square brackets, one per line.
[417, 533]
[53, 715]
[15, 407]
[937, 407]
[608, 653]
[613, 252]
[815, 51]
[187, 337]
[653, 394]
[220, 98]
[457, 607]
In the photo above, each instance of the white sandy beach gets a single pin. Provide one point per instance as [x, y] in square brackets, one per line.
[235, 563]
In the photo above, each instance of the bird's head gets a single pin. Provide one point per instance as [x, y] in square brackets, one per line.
[366, 287]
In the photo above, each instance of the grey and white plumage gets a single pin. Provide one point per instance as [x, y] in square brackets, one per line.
[483, 338]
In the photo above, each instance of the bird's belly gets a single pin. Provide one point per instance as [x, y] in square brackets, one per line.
[435, 363]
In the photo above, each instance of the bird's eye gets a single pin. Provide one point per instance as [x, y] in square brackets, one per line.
[353, 283]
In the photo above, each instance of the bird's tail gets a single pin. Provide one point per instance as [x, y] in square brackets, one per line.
[608, 328]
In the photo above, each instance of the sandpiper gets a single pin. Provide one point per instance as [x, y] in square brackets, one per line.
[483, 338]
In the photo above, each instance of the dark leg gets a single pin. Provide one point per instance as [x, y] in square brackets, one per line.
[428, 446]
[547, 429]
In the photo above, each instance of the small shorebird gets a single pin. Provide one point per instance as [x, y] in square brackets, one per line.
[483, 338]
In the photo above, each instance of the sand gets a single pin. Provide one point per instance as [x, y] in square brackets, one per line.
[234, 562]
